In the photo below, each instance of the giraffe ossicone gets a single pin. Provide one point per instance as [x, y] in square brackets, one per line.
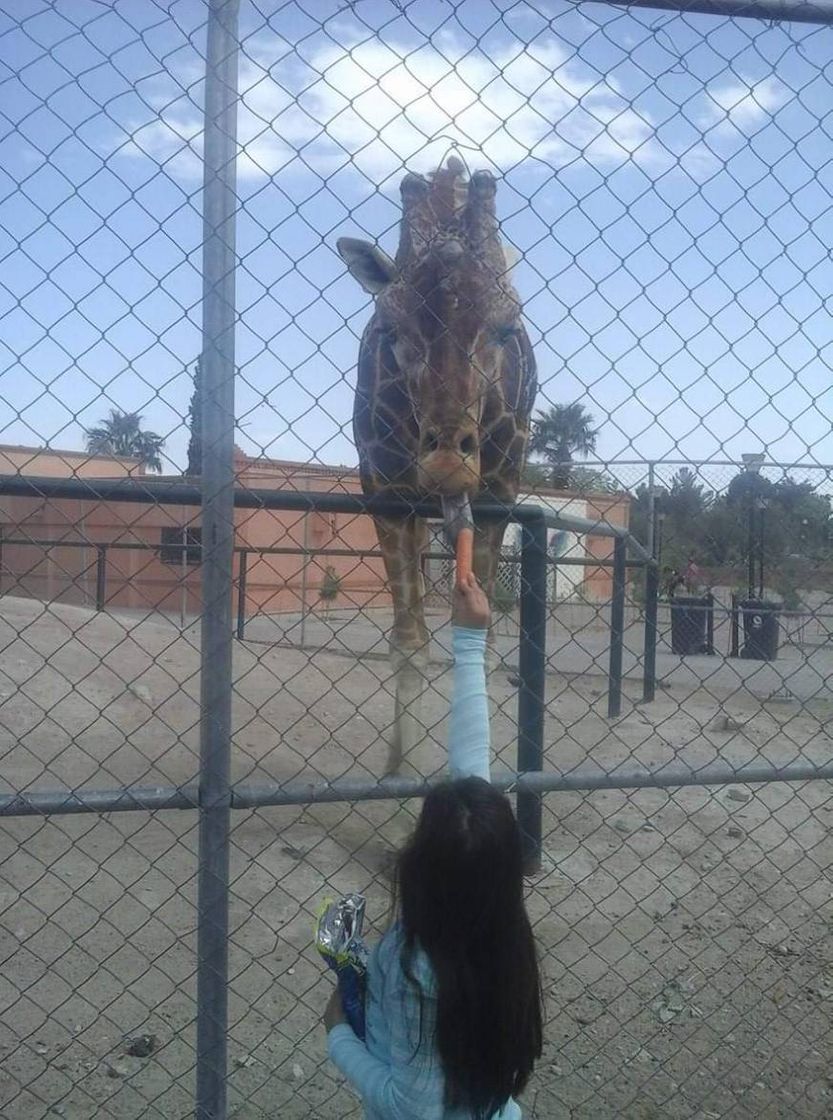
[444, 392]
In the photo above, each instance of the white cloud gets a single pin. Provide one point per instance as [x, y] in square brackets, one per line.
[381, 107]
[746, 106]
[174, 140]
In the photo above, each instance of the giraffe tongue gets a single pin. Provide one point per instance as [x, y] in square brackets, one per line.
[456, 516]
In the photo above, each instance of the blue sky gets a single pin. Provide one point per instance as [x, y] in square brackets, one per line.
[668, 180]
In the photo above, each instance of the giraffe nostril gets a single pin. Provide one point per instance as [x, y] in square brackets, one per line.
[430, 441]
[468, 445]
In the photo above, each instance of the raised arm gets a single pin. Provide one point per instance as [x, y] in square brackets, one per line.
[468, 732]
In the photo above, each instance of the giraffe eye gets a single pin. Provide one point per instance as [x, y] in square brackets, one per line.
[505, 334]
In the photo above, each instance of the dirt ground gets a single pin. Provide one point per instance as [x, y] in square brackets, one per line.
[686, 936]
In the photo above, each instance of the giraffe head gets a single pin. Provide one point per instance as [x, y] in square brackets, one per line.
[446, 312]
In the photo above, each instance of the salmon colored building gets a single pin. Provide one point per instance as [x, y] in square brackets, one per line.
[147, 557]
[47, 462]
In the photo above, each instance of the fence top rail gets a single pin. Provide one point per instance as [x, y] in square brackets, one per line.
[278, 550]
[303, 501]
[694, 464]
[797, 11]
[513, 556]
[104, 546]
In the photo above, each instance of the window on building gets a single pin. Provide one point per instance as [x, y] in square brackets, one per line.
[172, 543]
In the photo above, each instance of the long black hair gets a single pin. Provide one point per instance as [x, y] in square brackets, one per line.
[460, 892]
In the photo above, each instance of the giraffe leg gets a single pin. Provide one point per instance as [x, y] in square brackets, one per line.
[408, 728]
[402, 543]
[488, 540]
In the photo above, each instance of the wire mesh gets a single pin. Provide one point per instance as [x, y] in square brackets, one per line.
[664, 181]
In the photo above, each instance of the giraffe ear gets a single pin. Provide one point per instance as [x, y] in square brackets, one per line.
[373, 269]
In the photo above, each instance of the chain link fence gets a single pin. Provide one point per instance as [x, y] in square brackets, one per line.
[196, 691]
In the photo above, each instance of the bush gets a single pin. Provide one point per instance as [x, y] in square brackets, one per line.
[789, 596]
[636, 590]
[330, 585]
[504, 600]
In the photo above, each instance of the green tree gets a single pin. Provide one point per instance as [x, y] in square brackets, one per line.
[681, 517]
[747, 485]
[537, 476]
[195, 424]
[558, 435]
[723, 534]
[640, 509]
[793, 519]
[587, 481]
[687, 499]
[121, 433]
[804, 517]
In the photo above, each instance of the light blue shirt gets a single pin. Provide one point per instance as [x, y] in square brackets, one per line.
[397, 1070]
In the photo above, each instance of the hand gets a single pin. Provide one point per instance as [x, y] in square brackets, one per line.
[471, 607]
[334, 1012]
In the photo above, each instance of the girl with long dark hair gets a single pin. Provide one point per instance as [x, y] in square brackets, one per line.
[453, 1012]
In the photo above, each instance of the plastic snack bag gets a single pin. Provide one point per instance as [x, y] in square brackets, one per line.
[338, 939]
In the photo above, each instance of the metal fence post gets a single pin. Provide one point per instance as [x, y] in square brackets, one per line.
[183, 577]
[242, 572]
[617, 629]
[734, 637]
[532, 671]
[218, 366]
[649, 673]
[100, 577]
[305, 573]
[650, 529]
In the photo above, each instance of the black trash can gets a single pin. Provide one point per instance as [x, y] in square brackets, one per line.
[689, 623]
[761, 629]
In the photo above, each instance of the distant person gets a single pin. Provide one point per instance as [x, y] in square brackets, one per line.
[673, 582]
[692, 576]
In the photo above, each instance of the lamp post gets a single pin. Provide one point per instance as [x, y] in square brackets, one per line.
[657, 541]
[752, 463]
[761, 524]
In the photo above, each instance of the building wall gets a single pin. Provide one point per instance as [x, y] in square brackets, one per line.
[47, 462]
[137, 576]
[568, 581]
[615, 510]
[278, 582]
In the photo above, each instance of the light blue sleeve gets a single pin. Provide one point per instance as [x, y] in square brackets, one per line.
[411, 1087]
[468, 732]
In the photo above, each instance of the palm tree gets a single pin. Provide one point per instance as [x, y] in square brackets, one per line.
[121, 434]
[563, 431]
[195, 424]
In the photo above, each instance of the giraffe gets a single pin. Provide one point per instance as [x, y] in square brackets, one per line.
[444, 390]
